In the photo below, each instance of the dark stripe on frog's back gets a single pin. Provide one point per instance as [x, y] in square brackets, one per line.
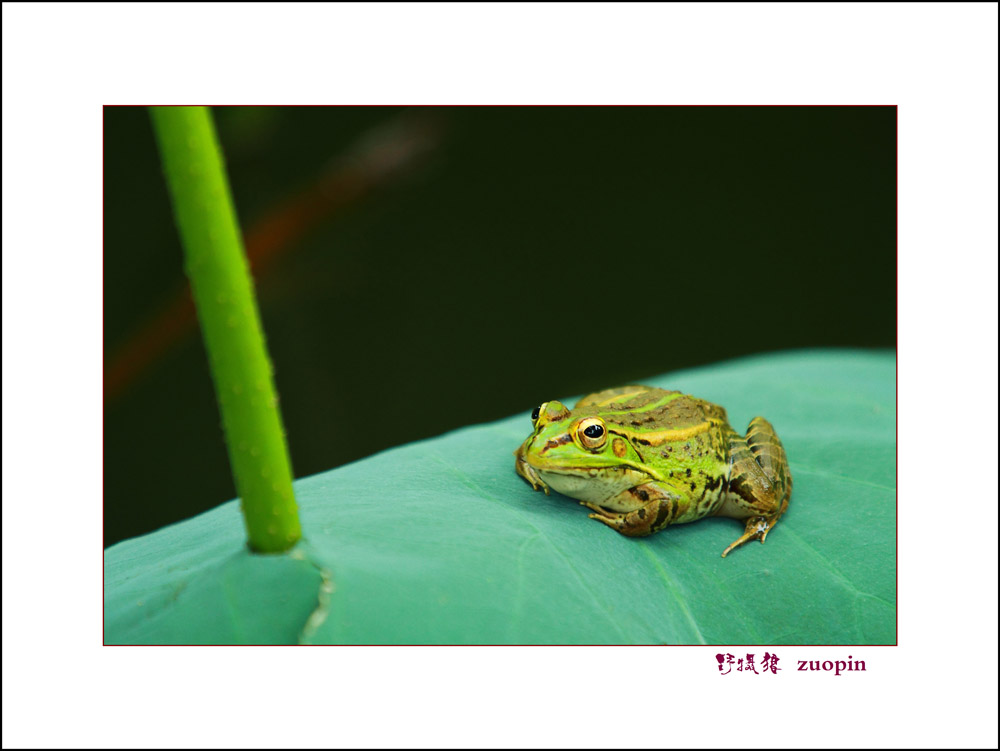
[680, 413]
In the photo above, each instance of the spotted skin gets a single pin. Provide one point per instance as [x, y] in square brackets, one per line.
[668, 458]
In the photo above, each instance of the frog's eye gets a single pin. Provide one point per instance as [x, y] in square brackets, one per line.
[537, 411]
[591, 433]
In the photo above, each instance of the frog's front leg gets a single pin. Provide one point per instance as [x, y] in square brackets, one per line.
[527, 471]
[653, 506]
[760, 483]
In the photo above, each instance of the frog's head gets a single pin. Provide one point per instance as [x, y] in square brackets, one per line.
[577, 455]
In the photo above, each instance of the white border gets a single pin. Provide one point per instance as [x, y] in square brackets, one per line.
[61, 62]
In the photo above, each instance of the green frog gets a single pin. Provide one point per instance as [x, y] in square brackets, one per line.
[643, 458]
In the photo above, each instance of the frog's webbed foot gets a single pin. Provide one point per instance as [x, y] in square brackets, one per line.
[756, 529]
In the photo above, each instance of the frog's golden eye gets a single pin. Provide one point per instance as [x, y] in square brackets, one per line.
[536, 412]
[591, 433]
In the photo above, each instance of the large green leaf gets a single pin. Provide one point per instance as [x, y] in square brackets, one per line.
[441, 542]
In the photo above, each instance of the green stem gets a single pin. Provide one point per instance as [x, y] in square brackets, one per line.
[227, 309]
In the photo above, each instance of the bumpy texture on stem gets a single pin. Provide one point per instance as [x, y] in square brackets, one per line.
[227, 309]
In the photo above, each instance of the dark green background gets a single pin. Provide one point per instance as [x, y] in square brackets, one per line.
[535, 252]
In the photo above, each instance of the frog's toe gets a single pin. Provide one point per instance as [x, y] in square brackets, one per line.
[594, 507]
[614, 522]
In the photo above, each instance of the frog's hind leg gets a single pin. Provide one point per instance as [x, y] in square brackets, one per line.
[760, 483]
[769, 454]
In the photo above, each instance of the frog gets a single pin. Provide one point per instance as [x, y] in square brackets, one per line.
[643, 458]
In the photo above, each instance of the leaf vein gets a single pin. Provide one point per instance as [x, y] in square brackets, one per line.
[672, 587]
[566, 559]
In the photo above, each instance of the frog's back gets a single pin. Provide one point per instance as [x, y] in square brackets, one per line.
[648, 407]
[622, 397]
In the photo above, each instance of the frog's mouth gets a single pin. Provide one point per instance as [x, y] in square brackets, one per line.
[592, 484]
